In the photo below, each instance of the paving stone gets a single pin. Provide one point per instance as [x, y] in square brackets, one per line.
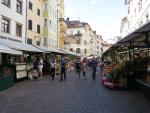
[71, 96]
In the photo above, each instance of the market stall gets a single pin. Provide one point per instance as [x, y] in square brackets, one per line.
[7, 68]
[21, 63]
[134, 52]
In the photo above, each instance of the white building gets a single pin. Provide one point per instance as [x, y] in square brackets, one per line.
[53, 22]
[13, 20]
[98, 45]
[76, 37]
[138, 14]
[105, 46]
[124, 27]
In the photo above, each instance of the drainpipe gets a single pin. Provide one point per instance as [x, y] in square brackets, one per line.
[57, 29]
[26, 22]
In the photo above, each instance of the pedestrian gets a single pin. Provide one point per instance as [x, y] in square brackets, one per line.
[40, 67]
[84, 67]
[101, 65]
[78, 66]
[35, 69]
[53, 68]
[94, 66]
[63, 69]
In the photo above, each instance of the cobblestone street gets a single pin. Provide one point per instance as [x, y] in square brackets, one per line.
[71, 96]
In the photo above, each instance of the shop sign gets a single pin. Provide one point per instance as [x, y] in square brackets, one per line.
[9, 38]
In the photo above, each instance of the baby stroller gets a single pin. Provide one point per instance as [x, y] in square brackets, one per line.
[35, 75]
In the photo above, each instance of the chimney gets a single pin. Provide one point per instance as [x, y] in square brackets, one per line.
[67, 20]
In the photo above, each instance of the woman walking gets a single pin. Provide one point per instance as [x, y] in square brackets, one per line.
[40, 67]
[84, 67]
[53, 67]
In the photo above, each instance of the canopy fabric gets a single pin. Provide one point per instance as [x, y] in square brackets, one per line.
[46, 49]
[134, 36]
[128, 38]
[20, 46]
[55, 50]
[69, 52]
[5, 49]
[144, 28]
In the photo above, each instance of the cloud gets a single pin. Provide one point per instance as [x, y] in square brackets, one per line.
[93, 2]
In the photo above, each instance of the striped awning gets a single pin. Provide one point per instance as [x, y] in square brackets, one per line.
[5, 49]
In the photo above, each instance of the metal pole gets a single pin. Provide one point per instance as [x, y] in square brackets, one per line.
[26, 22]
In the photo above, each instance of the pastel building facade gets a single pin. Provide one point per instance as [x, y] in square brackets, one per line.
[13, 20]
[76, 37]
[50, 23]
[62, 26]
[124, 27]
[34, 22]
[138, 14]
[98, 45]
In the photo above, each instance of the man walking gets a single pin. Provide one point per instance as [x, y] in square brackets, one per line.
[78, 66]
[93, 65]
[63, 69]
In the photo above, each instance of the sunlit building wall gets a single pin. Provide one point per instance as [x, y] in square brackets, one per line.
[35, 22]
[124, 27]
[98, 45]
[76, 37]
[50, 23]
[138, 13]
[62, 26]
[13, 20]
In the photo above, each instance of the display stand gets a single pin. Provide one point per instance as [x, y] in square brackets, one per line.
[20, 71]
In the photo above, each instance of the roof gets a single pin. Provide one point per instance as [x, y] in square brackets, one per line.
[46, 49]
[128, 38]
[55, 50]
[20, 46]
[50, 49]
[69, 52]
[74, 24]
[143, 29]
[137, 36]
[5, 49]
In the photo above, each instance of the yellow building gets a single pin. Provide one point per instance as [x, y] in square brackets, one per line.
[89, 34]
[62, 33]
[92, 42]
[62, 26]
[50, 13]
[34, 22]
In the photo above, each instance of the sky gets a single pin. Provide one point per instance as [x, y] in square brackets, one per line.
[104, 16]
